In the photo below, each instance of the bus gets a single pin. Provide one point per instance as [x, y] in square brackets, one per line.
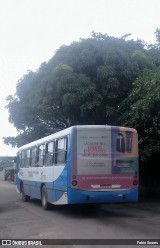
[85, 164]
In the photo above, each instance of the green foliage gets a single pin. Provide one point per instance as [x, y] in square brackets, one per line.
[87, 82]
[157, 33]
[144, 111]
[6, 162]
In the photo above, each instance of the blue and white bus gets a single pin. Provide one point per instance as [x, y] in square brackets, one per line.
[80, 165]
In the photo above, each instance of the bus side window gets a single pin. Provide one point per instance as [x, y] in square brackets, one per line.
[22, 164]
[41, 155]
[27, 158]
[61, 151]
[49, 157]
[33, 156]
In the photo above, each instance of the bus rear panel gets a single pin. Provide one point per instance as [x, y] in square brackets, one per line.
[104, 165]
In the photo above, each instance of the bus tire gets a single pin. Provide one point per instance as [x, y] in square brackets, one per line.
[25, 197]
[44, 199]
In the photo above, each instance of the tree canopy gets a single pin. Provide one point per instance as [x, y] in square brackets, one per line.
[144, 111]
[98, 80]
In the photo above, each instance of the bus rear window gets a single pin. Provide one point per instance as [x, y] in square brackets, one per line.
[123, 141]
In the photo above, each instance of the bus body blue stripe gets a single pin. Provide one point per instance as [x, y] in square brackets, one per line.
[79, 196]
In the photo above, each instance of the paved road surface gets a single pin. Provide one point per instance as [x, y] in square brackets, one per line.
[28, 220]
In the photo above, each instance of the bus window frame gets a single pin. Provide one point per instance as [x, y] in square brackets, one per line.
[22, 163]
[65, 150]
[27, 158]
[50, 154]
[35, 157]
[42, 164]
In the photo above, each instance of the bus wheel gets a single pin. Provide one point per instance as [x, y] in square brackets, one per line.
[25, 197]
[44, 199]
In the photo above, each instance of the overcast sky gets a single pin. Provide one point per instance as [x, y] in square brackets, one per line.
[32, 30]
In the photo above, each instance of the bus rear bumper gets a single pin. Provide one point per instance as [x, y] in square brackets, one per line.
[81, 196]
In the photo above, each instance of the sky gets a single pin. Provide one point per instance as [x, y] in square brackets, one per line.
[32, 30]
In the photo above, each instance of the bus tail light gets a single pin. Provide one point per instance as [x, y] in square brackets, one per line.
[135, 182]
[74, 183]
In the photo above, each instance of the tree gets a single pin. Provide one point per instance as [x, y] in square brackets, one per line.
[157, 33]
[83, 83]
[144, 112]
[6, 162]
